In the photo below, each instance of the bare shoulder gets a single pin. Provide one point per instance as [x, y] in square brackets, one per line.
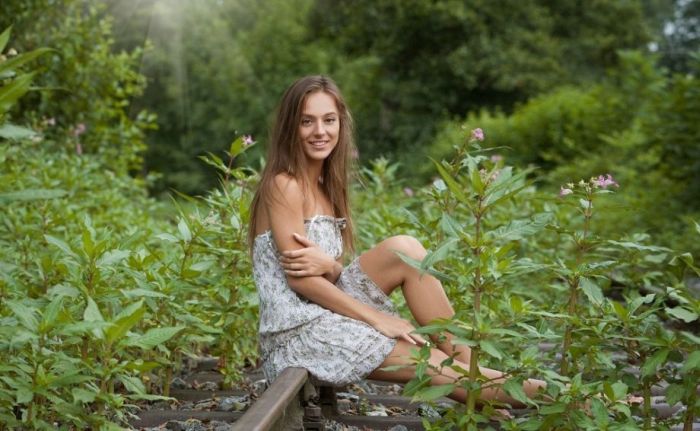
[287, 191]
[285, 183]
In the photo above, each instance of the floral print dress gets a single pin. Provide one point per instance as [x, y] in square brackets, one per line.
[295, 332]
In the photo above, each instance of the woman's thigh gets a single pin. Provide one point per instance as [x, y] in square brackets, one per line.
[384, 266]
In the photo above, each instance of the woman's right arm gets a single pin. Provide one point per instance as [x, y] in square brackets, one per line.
[284, 206]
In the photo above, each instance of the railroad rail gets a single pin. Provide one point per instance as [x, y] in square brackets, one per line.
[281, 406]
[291, 402]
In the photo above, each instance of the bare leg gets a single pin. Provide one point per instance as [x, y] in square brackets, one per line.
[401, 356]
[427, 301]
[424, 293]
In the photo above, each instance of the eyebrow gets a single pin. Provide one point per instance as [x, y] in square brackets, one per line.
[304, 114]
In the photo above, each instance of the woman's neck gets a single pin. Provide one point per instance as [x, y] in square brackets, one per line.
[313, 170]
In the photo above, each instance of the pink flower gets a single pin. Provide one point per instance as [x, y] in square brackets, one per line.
[496, 158]
[79, 129]
[247, 140]
[564, 191]
[605, 181]
[478, 134]
[50, 122]
[408, 191]
[78, 148]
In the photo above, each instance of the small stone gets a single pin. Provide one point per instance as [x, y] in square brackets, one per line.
[178, 383]
[175, 426]
[345, 406]
[259, 386]
[220, 426]
[347, 396]
[208, 386]
[187, 405]
[194, 425]
[428, 411]
[233, 404]
[205, 405]
[379, 410]
[398, 428]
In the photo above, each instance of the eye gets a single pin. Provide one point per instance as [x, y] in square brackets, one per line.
[330, 120]
[305, 122]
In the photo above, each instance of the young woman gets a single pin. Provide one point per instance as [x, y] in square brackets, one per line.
[337, 322]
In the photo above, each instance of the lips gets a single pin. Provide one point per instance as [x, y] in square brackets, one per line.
[318, 144]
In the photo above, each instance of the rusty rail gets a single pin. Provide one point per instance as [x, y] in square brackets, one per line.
[280, 406]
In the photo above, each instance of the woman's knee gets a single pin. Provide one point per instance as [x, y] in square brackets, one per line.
[406, 245]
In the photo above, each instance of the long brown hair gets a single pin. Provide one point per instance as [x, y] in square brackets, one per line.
[286, 155]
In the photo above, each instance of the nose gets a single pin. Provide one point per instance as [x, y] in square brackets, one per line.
[319, 128]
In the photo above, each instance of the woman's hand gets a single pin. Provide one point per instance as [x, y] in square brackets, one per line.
[308, 261]
[396, 327]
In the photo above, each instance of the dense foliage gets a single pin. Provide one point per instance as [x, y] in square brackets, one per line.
[639, 123]
[105, 291]
[404, 66]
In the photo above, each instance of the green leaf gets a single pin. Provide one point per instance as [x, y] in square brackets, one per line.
[416, 384]
[475, 176]
[5, 38]
[9, 93]
[143, 293]
[62, 245]
[113, 256]
[92, 314]
[618, 390]
[202, 266]
[19, 60]
[167, 237]
[514, 388]
[185, 233]
[16, 133]
[592, 291]
[441, 253]
[582, 421]
[519, 229]
[553, 409]
[32, 195]
[51, 313]
[133, 384]
[674, 393]
[155, 337]
[235, 223]
[434, 392]
[491, 349]
[83, 395]
[455, 188]
[125, 321]
[236, 147]
[654, 362]
[683, 314]
[24, 395]
[516, 304]
[26, 316]
[692, 362]
[599, 411]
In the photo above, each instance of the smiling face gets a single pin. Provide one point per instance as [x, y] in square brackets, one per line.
[319, 126]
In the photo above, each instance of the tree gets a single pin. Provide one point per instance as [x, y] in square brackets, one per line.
[85, 85]
[435, 60]
[215, 69]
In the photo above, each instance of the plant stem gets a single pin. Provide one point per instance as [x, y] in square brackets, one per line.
[168, 378]
[646, 393]
[474, 357]
[571, 309]
[689, 416]
[574, 283]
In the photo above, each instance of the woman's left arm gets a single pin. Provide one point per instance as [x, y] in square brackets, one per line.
[310, 261]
